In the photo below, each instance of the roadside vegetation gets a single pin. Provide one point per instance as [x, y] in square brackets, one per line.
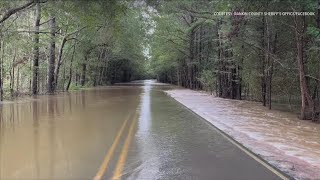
[271, 59]
[48, 46]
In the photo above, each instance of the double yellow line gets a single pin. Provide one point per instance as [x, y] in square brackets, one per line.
[124, 152]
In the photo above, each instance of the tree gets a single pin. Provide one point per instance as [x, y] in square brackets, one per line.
[52, 56]
[247, 57]
[36, 48]
[86, 34]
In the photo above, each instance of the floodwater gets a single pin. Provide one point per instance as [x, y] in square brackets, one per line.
[282, 139]
[120, 132]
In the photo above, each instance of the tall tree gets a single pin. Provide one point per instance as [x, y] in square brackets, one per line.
[52, 56]
[36, 48]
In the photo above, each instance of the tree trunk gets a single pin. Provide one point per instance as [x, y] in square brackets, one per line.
[36, 49]
[77, 78]
[2, 71]
[263, 77]
[64, 40]
[268, 62]
[70, 69]
[220, 59]
[12, 74]
[52, 56]
[271, 71]
[64, 77]
[84, 69]
[1, 62]
[191, 56]
[306, 100]
[318, 26]
[18, 77]
[104, 69]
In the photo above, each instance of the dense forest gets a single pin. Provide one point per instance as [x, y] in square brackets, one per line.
[48, 46]
[260, 56]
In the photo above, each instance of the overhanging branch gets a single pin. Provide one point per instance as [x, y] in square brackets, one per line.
[12, 11]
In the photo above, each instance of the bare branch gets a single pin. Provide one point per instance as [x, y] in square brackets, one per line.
[45, 21]
[312, 77]
[42, 32]
[76, 31]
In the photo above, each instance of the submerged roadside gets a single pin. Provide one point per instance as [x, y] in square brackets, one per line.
[291, 145]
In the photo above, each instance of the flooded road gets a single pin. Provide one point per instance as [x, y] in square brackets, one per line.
[279, 137]
[119, 132]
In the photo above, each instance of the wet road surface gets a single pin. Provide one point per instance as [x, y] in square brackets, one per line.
[120, 132]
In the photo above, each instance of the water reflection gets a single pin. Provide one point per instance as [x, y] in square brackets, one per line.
[172, 143]
[145, 113]
[52, 112]
[66, 136]
[34, 108]
[61, 136]
[143, 161]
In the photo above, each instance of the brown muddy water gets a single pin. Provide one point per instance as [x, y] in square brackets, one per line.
[279, 137]
[72, 135]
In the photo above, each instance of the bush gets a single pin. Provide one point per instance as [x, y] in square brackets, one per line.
[73, 87]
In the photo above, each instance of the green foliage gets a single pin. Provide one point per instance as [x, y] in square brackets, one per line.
[73, 87]
[193, 47]
[99, 35]
[208, 80]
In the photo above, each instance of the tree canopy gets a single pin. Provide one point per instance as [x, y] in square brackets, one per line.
[218, 46]
[49, 46]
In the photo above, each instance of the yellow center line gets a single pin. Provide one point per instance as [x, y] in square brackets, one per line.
[104, 165]
[124, 152]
